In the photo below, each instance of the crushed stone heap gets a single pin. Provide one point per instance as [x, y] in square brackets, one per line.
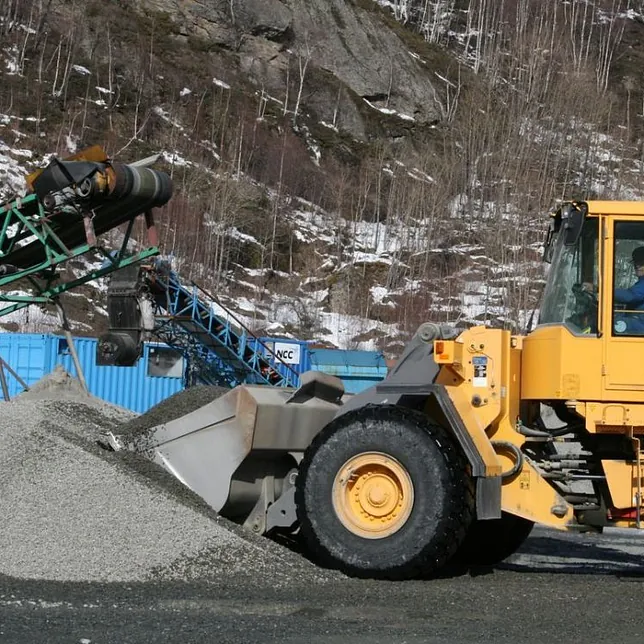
[177, 405]
[58, 385]
[73, 511]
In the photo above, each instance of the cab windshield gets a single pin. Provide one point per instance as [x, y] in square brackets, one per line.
[570, 295]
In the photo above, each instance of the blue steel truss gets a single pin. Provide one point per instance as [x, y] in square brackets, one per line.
[220, 349]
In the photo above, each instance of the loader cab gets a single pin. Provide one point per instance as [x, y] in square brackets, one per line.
[589, 340]
[572, 249]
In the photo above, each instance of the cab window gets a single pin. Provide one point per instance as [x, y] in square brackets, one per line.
[628, 279]
[569, 296]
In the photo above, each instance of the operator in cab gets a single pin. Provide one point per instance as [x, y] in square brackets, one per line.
[632, 299]
[628, 320]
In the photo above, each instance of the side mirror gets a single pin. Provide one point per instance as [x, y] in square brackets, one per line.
[548, 246]
[572, 222]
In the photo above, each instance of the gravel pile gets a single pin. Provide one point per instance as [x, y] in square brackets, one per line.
[170, 409]
[73, 511]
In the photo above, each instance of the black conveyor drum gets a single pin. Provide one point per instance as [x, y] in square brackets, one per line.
[112, 193]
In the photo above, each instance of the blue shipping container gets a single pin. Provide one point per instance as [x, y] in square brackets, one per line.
[359, 370]
[28, 354]
[158, 375]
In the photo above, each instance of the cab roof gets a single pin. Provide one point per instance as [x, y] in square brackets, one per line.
[635, 208]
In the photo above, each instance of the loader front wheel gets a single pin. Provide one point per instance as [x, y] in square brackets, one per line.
[383, 493]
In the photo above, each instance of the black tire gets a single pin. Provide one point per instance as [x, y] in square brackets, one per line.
[443, 505]
[489, 542]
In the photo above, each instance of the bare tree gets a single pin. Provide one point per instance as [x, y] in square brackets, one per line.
[304, 54]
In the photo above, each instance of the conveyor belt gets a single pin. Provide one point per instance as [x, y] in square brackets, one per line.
[220, 349]
[70, 204]
[226, 352]
[134, 191]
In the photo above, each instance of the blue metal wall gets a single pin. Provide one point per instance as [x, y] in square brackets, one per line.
[129, 387]
[33, 356]
[28, 354]
[359, 370]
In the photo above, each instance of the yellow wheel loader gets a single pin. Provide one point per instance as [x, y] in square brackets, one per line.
[472, 438]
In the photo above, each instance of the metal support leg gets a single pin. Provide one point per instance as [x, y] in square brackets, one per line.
[90, 233]
[70, 344]
[3, 381]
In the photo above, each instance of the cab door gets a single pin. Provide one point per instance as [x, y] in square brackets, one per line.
[623, 367]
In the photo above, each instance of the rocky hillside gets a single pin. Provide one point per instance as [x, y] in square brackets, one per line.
[344, 169]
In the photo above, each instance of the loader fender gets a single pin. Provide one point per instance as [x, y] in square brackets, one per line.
[474, 442]
[412, 384]
[415, 369]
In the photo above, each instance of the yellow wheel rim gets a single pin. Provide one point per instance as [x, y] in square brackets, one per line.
[373, 495]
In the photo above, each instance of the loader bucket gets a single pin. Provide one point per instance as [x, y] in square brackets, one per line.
[243, 448]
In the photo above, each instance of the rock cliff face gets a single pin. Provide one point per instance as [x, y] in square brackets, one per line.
[343, 52]
[334, 170]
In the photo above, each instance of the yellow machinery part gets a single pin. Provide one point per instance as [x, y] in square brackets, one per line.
[476, 428]
[612, 417]
[95, 153]
[557, 365]
[529, 495]
[373, 495]
[482, 376]
[621, 477]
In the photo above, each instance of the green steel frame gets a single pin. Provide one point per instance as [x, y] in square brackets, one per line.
[25, 220]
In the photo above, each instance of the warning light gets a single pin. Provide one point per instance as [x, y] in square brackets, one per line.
[444, 351]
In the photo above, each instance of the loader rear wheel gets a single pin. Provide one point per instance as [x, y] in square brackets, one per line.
[490, 542]
[383, 493]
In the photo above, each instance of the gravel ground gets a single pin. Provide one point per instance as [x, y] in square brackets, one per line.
[103, 547]
[76, 512]
[581, 588]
